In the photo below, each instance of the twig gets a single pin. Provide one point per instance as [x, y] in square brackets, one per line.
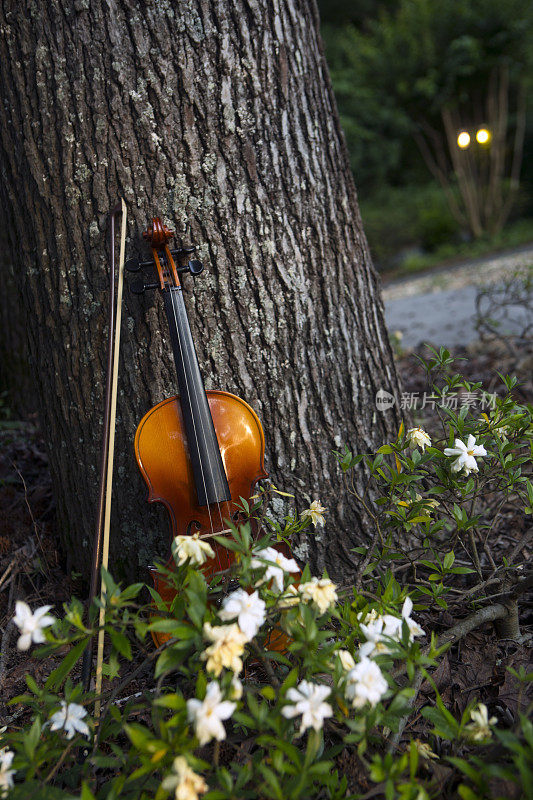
[366, 561]
[474, 554]
[33, 521]
[55, 768]
[266, 663]
[8, 570]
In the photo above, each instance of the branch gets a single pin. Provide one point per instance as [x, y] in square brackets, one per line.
[469, 624]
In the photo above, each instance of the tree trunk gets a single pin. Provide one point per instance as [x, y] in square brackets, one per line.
[219, 116]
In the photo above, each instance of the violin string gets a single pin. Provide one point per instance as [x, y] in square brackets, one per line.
[172, 300]
[207, 448]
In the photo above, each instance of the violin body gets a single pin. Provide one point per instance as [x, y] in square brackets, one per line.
[162, 453]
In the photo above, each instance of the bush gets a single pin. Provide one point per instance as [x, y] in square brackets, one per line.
[267, 683]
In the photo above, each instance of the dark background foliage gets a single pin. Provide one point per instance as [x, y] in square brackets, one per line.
[394, 65]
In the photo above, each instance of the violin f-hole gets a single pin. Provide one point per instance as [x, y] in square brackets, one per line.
[190, 530]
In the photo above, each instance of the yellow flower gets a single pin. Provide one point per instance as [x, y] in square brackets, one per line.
[417, 437]
[186, 783]
[198, 550]
[226, 650]
[316, 512]
[429, 503]
[346, 659]
[424, 749]
[479, 728]
[321, 592]
[289, 598]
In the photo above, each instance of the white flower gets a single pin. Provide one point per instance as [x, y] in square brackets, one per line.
[479, 728]
[316, 512]
[226, 650]
[198, 550]
[321, 592]
[207, 714]
[370, 616]
[346, 659]
[235, 692]
[248, 608]
[414, 627]
[374, 634]
[70, 719]
[186, 783]
[275, 570]
[393, 625]
[308, 701]
[417, 437]
[6, 774]
[365, 682]
[465, 455]
[31, 624]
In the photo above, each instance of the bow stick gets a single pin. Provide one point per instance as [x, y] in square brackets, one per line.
[101, 541]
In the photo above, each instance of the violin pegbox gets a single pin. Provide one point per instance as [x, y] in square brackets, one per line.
[169, 264]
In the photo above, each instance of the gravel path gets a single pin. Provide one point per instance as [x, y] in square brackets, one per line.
[441, 307]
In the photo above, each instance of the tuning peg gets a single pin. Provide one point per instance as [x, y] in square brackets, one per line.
[139, 286]
[195, 267]
[132, 265]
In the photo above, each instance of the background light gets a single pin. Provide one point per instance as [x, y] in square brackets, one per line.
[483, 136]
[463, 140]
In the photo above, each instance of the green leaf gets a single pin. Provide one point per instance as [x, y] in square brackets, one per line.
[139, 736]
[168, 661]
[173, 701]
[268, 693]
[58, 675]
[272, 780]
[449, 558]
[177, 629]
[31, 738]
[121, 643]
[32, 685]
[131, 591]
[229, 544]
[86, 793]
[442, 727]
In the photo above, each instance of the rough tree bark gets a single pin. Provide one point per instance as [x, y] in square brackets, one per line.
[221, 116]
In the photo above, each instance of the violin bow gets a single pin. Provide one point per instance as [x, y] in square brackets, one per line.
[101, 540]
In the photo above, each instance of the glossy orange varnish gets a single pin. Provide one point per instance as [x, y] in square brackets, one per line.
[163, 457]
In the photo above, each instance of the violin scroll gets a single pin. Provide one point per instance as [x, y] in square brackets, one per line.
[169, 264]
[158, 235]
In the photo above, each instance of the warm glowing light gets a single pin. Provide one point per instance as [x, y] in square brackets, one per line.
[483, 136]
[463, 140]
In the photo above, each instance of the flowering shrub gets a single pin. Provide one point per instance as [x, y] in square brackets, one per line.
[271, 681]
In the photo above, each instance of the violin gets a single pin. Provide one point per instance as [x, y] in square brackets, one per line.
[200, 451]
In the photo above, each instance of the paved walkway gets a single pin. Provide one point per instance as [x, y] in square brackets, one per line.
[440, 307]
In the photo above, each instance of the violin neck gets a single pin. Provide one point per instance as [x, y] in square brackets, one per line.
[208, 470]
